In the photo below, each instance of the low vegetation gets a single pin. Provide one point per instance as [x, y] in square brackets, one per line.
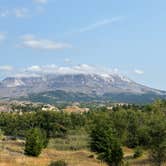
[138, 152]
[123, 135]
[105, 142]
[75, 140]
[36, 140]
[58, 163]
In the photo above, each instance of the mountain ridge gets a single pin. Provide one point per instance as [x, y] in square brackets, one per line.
[96, 85]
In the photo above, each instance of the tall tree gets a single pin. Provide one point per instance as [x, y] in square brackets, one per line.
[157, 132]
[106, 144]
[35, 142]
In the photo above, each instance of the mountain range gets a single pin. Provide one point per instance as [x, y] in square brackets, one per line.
[81, 87]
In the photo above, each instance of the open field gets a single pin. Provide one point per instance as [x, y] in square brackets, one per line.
[12, 154]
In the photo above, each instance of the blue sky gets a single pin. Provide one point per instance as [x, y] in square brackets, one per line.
[127, 35]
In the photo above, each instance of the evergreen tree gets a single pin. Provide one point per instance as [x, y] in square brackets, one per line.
[34, 142]
[157, 132]
[106, 144]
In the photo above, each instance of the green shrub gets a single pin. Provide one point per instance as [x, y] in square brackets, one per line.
[157, 132]
[35, 142]
[58, 163]
[106, 144]
[126, 164]
[138, 152]
[1, 135]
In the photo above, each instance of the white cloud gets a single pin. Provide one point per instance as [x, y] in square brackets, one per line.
[78, 69]
[34, 68]
[38, 71]
[20, 12]
[30, 41]
[40, 1]
[2, 36]
[138, 71]
[4, 13]
[6, 68]
[100, 24]
[16, 12]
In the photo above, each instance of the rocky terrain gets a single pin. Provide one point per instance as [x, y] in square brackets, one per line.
[90, 86]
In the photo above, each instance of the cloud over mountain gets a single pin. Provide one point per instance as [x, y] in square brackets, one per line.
[6, 68]
[77, 69]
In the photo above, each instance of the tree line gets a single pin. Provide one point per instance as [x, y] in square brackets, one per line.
[131, 126]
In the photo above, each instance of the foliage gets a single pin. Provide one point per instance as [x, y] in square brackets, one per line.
[52, 97]
[105, 143]
[58, 163]
[35, 142]
[157, 132]
[1, 134]
[128, 125]
[138, 152]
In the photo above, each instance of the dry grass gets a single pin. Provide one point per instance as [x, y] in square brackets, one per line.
[141, 161]
[11, 154]
[74, 141]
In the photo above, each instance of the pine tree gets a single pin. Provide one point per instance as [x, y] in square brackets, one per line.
[34, 142]
[106, 144]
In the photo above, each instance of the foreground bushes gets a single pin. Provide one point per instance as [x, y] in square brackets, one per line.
[138, 152]
[58, 163]
[106, 144]
[133, 127]
[157, 134]
[36, 140]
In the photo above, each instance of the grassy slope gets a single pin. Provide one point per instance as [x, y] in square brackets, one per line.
[11, 154]
[73, 149]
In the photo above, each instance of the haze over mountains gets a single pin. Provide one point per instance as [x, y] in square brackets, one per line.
[78, 83]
